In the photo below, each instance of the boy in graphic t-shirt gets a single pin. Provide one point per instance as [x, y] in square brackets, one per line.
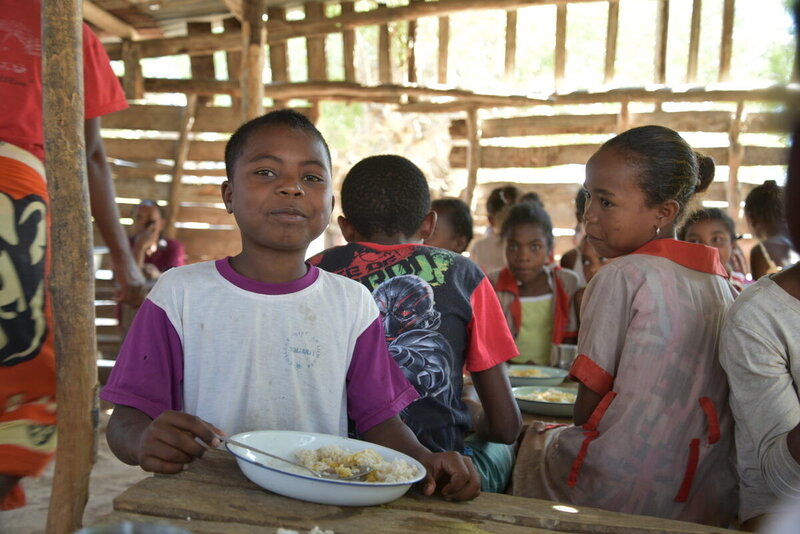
[439, 311]
[262, 340]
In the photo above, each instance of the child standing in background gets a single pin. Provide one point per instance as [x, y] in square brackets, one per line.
[487, 252]
[453, 225]
[537, 297]
[653, 432]
[714, 228]
[766, 217]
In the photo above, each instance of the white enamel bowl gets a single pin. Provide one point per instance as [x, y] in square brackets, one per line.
[282, 478]
[549, 376]
[553, 409]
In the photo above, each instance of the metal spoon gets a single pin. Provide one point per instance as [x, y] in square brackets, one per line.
[358, 471]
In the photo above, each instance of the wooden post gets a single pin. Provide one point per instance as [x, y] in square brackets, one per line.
[202, 66]
[71, 277]
[561, 44]
[133, 81]
[349, 45]
[410, 50]
[726, 46]
[511, 45]
[735, 155]
[473, 155]
[234, 61]
[384, 54]
[694, 42]
[624, 117]
[181, 152]
[278, 55]
[662, 32]
[315, 46]
[444, 44]
[612, 29]
[253, 54]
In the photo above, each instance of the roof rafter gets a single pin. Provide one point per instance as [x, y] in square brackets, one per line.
[108, 22]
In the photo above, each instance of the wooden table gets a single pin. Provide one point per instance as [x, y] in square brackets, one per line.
[213, 496]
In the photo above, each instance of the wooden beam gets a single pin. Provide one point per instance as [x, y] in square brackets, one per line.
[126, 149]
[735, 157]
[315, 46]
[202, 66]
[133, 81]
[694, 42]
[561, 45]
[384, 54]
[662, 32]
[494, 157]
[777, 93]
[726, 45]
[511, 45]
[683, 121]
[181, 152]
[278, 54]
[253, 55]
[233, 59]
[349, 45]
[382, 15]
[612, 30]
[235, 7]
[473, 155]
[108, 22]
[71, 282]
[444, 45]
[624, 117]
[194, 46]
[168, 119]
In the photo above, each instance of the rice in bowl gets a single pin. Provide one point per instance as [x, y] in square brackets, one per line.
[343, 462]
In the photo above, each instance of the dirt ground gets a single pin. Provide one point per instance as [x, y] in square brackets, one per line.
[110, 477]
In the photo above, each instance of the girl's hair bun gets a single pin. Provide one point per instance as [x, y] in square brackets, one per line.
[705, 172]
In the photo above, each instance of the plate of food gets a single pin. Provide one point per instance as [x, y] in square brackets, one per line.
[543, 400]
[535, 375]
[391, 476]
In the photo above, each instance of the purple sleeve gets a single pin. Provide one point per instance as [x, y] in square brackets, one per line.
[376, 387]
[148, 372]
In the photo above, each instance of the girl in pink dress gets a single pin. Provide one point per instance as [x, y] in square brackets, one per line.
[653, 433]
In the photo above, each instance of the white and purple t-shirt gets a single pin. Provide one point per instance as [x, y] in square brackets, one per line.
[247, 355]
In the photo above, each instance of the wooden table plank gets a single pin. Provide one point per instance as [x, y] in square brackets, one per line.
[213, 489]
[181, 499]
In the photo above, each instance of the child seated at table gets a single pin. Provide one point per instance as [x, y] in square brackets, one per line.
[440, 314]
[766, 216]
[453, 225]
[536, 296]
[653, 432]
[262, 340]
[591, 262]
[714, 228]
[572, 258]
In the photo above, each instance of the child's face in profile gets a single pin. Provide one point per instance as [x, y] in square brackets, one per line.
[444, 235]
[526, 251]
[592, 261]
[281, 192]
[617, 218]
[713, 234]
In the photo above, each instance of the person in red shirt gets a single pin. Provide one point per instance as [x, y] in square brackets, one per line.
[27, 360]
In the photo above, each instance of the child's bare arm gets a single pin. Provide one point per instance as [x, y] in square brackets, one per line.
[452, 472]
[585, 404]
[161, 445]
[500, 420]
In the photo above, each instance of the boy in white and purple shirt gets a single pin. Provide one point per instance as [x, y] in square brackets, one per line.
[263, 340]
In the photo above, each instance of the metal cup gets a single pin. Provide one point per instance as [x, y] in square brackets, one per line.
[565, 355]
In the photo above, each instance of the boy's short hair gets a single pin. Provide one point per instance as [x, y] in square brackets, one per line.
[282, 117]
[765, 204]
[385, 193]
[458, 212]
[531, 196]
[708, 214]
[529, 213]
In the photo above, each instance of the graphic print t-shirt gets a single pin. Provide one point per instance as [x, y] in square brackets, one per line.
[441, 316]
